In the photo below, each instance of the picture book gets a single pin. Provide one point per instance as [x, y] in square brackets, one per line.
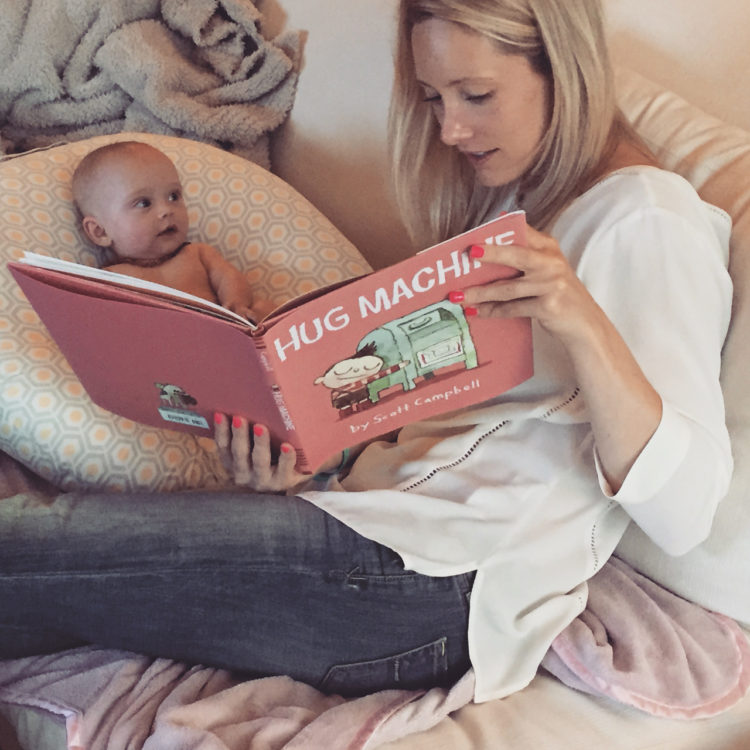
[336, 367]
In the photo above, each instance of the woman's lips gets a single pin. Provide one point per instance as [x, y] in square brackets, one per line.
[479, 157]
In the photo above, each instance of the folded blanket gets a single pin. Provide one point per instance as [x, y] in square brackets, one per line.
[200, 69]
[644, 646]
[113, 699]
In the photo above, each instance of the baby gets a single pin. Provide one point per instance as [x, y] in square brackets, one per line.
[130, 197]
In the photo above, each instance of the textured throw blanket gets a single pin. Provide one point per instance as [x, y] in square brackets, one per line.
[201, 69]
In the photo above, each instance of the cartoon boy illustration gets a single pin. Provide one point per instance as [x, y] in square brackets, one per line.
[349, 378]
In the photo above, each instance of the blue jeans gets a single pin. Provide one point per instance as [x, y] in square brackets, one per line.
[262, 585]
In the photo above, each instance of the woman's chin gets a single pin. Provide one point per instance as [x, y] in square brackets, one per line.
[492, 173]
[490, 177]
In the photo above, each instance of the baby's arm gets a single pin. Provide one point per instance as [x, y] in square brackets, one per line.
[228, 282]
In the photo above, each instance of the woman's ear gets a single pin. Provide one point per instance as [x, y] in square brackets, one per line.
[96, 232]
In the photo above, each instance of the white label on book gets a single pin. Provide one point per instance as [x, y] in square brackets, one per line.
[183, 416]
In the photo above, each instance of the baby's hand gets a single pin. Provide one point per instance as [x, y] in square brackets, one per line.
[246, 312]
[254, 312]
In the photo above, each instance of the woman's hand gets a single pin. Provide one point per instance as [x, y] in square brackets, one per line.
[624, 409]
[547, 289]
[250, 462]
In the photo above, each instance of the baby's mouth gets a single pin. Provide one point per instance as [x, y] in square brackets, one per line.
[168, 231]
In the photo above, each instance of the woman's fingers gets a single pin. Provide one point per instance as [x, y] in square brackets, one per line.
[223, 441]
[261, 455]
[286, 471]
[535, 254]
[241, 466]
[547, 289]
[248, 457]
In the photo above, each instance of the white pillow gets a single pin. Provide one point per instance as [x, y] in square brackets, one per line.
[47, 421]
[715, 158]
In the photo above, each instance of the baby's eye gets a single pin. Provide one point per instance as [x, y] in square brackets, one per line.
[142, 203]
[340, 371]
[175, 195]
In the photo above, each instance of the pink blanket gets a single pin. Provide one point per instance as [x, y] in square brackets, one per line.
[640, 644]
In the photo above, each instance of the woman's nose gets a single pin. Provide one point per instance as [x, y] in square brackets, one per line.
[453, 128]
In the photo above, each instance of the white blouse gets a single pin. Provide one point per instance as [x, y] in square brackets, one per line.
[512, 489]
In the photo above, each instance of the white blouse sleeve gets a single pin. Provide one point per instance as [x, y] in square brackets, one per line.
[660, 276]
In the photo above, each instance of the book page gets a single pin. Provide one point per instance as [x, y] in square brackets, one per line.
[151, 288]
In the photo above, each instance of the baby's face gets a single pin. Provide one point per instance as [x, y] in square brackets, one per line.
[140, 205]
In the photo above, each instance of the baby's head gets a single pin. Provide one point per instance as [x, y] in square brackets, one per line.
[130, 198]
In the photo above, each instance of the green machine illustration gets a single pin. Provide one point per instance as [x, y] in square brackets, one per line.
[426, 340]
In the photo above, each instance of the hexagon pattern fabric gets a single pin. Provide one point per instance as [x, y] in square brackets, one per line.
[285, 246]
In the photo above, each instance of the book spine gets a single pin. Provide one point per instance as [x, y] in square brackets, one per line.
[291, 435]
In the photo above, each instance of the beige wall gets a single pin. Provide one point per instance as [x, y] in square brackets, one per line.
[333, 149]
[698, 48]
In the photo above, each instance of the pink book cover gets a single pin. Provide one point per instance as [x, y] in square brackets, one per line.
[325, 373]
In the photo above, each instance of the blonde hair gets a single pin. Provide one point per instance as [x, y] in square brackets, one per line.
[436, 189]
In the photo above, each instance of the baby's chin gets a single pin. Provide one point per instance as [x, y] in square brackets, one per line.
[167, 242]
[163, 245]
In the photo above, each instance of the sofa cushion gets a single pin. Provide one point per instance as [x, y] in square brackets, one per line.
[715, 158]
[47, 421]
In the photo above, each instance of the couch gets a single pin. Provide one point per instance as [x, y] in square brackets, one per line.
[83, 447]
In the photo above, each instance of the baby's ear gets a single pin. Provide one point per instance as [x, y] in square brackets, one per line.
[96, 232]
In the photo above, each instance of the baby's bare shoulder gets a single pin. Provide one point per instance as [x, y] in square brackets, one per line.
[208, 254]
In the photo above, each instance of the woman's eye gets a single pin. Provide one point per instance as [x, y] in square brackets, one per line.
[430, 96]
[477, 98]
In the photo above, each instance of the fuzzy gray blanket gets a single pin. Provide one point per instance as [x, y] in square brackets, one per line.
[201, 69]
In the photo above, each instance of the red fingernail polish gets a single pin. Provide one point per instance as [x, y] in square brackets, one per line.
[258, 430]
[286, 448]
[456, 297]
[476, 251]
[218, 418]
[470, 311]
[237, 422]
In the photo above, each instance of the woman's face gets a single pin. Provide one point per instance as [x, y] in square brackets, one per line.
[492, 107]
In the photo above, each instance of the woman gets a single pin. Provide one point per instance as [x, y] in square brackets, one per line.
[512, 504]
